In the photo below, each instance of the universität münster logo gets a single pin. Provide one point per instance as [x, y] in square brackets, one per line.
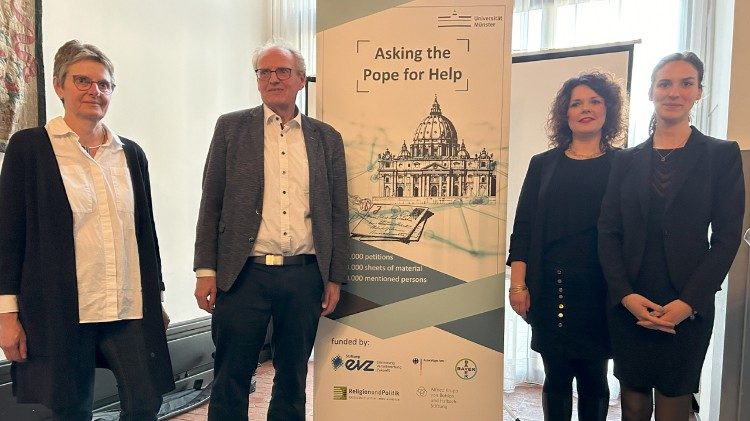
[462, 20]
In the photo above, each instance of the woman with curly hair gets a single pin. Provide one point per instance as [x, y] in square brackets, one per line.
[556, 282]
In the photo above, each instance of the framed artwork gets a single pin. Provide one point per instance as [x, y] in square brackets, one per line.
[22, 101]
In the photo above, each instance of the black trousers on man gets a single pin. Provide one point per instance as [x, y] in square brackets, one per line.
[292, 296]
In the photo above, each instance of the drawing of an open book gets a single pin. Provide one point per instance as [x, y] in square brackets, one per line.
[383, 222]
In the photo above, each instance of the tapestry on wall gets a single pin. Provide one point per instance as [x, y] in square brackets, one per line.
[21, 70]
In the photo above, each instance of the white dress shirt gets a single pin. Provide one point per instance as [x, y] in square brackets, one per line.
[100, 193]
[286, 227]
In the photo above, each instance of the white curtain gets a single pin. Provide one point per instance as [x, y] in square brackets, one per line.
[521, 363]
[294, 21]
[662, 27]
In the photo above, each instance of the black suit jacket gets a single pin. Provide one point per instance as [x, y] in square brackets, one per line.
[708, 189]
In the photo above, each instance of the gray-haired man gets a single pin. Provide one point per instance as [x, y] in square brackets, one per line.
[272, 238]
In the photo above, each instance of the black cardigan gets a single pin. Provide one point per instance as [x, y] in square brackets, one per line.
[37, 263]
[526, 241]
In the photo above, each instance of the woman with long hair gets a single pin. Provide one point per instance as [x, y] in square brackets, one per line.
[670, 227]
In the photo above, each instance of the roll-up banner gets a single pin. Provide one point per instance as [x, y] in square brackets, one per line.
[419, 91]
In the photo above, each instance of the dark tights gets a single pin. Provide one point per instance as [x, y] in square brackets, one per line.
[590, 375]
[638, 403]
[593, 391]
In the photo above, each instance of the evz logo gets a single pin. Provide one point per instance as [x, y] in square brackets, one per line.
[361, 365]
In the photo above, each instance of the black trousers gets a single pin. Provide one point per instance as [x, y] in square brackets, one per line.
[121, 346]
[292, 296]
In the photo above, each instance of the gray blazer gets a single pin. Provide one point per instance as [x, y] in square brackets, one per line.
[232, 200]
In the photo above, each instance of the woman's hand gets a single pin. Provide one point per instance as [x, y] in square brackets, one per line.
[520, 302]
[647, 312]
[676, 311]
[165, 318]
[12, 337]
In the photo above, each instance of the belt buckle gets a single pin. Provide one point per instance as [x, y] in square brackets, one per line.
[274, 260]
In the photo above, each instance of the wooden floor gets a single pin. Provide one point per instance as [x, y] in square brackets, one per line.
[525, 402]
[259, 399]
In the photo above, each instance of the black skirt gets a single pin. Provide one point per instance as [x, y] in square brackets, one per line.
[647, 358]
[568, 313]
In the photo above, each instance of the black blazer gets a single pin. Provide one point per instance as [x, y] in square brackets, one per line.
[708, 189]
[527, 239]
[37, 263]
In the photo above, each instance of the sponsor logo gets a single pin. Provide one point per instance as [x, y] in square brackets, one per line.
[418, 362]
[423, 363]
[337, 362]
[339, 393]
[454, 20]
[359, 365]
[358, 393]
[459, 20]
[466, 369]
[352, 363]
[429, 360]
[421, 392]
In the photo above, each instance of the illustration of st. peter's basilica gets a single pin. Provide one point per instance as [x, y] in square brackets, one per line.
[435, 168]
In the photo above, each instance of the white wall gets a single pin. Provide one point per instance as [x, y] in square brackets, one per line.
[179, 64]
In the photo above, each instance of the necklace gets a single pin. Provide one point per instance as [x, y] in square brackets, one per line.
[663, 157]
[571, 153]
[90, 149]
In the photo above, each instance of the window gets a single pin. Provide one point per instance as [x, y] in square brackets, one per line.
[661, 26]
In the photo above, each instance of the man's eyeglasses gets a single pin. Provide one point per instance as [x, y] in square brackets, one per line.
[282, 73]
[83, 83]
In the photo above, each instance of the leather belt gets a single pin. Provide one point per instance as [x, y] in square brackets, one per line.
[279, 260]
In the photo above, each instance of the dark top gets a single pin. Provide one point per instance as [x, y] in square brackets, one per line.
[653, 280]
[570, 220]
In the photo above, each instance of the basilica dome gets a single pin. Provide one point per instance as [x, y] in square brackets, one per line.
[435, 136]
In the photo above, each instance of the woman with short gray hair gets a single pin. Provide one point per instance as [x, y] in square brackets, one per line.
[80, 274]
